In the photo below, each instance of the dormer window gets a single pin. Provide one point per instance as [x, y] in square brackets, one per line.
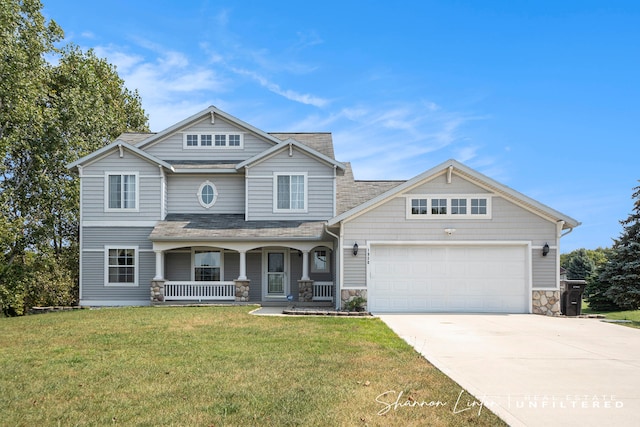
[213, 140]
[448, 206]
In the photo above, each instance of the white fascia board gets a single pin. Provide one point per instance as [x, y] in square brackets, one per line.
[284, 145]
[479, 179]
[98, 154]
[199, 116]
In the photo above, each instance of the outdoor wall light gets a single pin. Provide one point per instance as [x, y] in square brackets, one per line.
[545, 249]
[449, 231]
[355, 249]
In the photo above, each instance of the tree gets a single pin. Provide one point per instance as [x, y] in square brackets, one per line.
[579, 265]
[622, 272]
[49, 116]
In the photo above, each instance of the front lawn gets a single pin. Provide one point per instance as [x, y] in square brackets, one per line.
[219, 366]
[632, 315]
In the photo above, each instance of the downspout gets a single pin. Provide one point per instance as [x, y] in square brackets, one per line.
[337, 302]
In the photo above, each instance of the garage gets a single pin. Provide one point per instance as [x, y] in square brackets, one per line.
[467, 278]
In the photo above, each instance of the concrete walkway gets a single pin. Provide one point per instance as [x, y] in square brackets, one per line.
[534, 370]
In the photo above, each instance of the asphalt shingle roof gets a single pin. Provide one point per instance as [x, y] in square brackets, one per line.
[232, 227]
[352, 193]
[319, 141]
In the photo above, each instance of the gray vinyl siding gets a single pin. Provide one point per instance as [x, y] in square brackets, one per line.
[177, 266]
[231, 265]
[438, 185]
[355, 268]
[508, 222]
[99, 237]
[544, 269]
[171, 148]
[93, 279]
[320, 187]
[254, 274]
[183, 196]
[149, 188]
[93, 263]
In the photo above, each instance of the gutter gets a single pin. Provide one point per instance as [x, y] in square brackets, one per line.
[338, 297]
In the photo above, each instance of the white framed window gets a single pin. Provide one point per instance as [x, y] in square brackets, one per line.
[121, 266]
[448, 206]
[229, 140]
[207, 265]
[290, 192]
[121, 191]
[207, 194]
[320, 261]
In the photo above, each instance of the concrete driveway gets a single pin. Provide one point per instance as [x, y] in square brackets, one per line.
[534, 370]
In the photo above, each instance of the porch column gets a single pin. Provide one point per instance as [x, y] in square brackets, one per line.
[159, 265]
[157, 284]
[243, 265]
[305, 265]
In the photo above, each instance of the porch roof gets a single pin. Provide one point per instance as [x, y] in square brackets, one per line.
[203, 227]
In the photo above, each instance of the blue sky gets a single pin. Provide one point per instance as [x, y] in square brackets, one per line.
[542, 96]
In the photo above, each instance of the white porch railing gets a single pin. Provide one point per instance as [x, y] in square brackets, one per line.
[323, 291]
[200, 291]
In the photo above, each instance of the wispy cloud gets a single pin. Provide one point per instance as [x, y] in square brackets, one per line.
[292, 95]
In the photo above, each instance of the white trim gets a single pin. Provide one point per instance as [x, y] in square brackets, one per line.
[449, 215]
[213, 145]
[525, 244]
[80, 233]
[275, 177]
[545, 289]
[265, 278]
[215, 194]
[119, 223]
[136, 266]
[113, 303]
[467, 174]
[200, 248]
[328, 260]
[107, 174]
[163, 194]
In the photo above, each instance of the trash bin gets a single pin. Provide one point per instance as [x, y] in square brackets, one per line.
[571, 300]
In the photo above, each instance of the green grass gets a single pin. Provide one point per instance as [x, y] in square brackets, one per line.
[632, 315]
[215, 366]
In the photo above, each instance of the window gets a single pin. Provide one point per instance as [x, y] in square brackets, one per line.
[438, 206]
[205, 140]
[212, 140]
[458, 206]
[207, 266]
[448, 206]
[290, 193]
[478, 206]
[234, 140]
[207, 194]
[121, 266]
[320, 261]
[192, 140]
[418, 206]
[121, 191]
[221, 140]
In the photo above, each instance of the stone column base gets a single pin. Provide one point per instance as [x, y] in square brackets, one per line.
[305, 290]
[347, 295]
[546, 303]
[242, 290]
[157, 291]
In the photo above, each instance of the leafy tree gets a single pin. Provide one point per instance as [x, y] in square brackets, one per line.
[622, 272]
[579, 265]
[49, 116]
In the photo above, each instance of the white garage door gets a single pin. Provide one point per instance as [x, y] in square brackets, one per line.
[472, 279]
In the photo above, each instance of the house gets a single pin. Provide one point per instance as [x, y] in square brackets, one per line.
[214, 209]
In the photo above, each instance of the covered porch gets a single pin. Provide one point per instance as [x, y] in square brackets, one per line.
[212, 259]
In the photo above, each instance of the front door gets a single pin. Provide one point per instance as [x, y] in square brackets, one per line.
[276, 274]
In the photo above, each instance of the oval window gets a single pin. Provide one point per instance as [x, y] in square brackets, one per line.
[207, 194]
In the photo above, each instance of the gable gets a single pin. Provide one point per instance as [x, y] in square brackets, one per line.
[448, 170]
[174, 146]
[439, 185]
